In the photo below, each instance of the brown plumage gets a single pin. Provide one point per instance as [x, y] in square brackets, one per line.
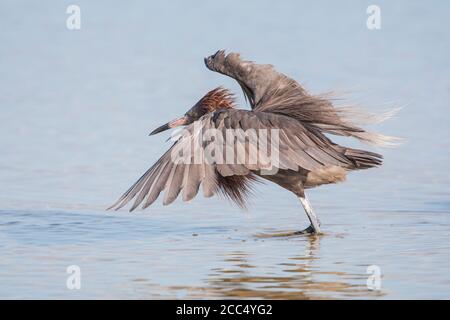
[306, 157]
[219, 98]
[236, 188]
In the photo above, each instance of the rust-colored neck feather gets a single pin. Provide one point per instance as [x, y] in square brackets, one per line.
[219, 98]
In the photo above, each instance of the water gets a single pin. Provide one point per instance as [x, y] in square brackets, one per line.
[76, 108]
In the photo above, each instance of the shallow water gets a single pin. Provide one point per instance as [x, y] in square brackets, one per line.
[76, 108]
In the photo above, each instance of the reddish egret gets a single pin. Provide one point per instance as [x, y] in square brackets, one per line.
[306, 157]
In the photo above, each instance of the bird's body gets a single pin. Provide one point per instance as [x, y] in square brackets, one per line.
[293, 122]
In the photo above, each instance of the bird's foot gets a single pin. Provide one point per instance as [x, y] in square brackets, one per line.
[309, 230]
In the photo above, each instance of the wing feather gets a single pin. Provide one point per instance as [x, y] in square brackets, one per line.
[299, 147]
[271, 91]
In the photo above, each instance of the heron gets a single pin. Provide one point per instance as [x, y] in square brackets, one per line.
[306, 156]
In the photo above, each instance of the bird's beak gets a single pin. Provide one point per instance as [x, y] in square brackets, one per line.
[172, 124]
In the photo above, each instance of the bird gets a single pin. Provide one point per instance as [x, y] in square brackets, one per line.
[306, 156]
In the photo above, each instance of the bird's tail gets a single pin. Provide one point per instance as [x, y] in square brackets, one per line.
[363, 159]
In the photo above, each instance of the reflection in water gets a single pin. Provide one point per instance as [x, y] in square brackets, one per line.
[294, 278]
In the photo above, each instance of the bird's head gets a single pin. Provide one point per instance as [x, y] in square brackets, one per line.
[219, 98]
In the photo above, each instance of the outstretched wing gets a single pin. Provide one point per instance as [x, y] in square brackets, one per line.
[261, 83]
[172, 175]
[222, 146]
[271, 91]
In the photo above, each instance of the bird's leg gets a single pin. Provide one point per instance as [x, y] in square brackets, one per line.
[314, 228]
[315, 223]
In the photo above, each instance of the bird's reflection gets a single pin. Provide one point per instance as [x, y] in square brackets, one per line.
[296, 277]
